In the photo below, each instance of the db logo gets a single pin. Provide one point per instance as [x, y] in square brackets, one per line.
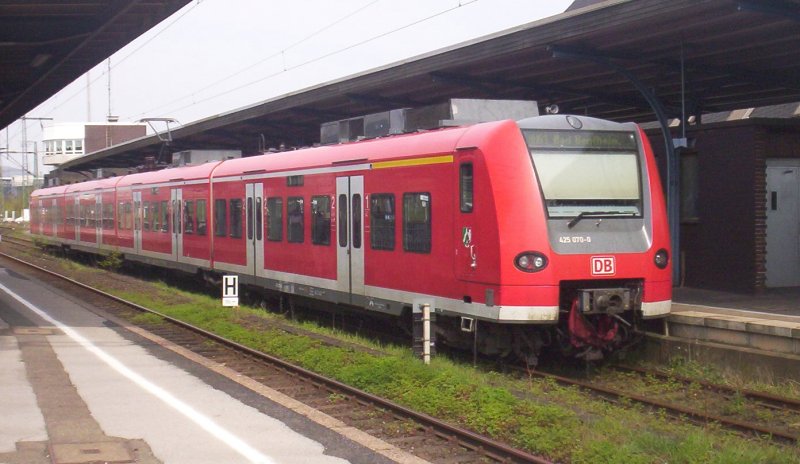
[603, 265]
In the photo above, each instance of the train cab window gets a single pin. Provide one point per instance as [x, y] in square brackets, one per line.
[294, 219]
[275, 219]
[164, 216]
[417, 222]
[236, 218]
[321, 220]
[202, 223]
[188, 217]
[466, 187]
[220, 215]
[381, 221]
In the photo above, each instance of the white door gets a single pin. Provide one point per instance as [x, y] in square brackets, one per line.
[98, 216]
[77, 218]
[137, 221]
[783, 223]
[176, 206]
[56, 222]
[350, 234]
[255, 228]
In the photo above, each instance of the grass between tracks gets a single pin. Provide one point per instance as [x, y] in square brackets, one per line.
[536, 415]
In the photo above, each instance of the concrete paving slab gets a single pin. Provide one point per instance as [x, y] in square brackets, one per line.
[86, 453]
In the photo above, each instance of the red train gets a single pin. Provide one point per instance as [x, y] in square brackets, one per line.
[548, 230]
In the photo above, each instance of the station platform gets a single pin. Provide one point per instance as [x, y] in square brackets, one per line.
[77, 388]
[758, 335]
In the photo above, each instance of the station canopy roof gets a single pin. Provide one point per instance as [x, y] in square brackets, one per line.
[695, 56]
[46, 44]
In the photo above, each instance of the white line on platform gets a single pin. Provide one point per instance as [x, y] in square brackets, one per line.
[207, 424]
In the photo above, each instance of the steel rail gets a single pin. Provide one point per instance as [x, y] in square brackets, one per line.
[773, 400]
[471, 440]
[674, 409]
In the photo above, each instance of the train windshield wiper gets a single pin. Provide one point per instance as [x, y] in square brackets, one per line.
[587, 214]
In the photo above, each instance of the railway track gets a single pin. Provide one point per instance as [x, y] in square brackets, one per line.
[745, 411]
[700, 402]
[418, 434]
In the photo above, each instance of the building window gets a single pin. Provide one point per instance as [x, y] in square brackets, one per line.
[417, 222]
[275, 219]
[321, 220]
[381, 221]
[220, 213]
[294, 219]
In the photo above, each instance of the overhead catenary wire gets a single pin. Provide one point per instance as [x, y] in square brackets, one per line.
[285, 69]
[281, 53]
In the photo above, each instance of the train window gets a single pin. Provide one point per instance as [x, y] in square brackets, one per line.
[275, 219]
[176, 216]
[466, 187]
[381, 221]
[250, 218]
[584, 173]
[148, 215]
[128, 216]
[357, 220]
[188, 217]
[220, 214]
[294, 181]
[236, 218]
[120, 218]
[342, 220]
[321, 220]
[108, 216]
[294, 220]
[70, 214]
[164, 216]
[417, 222]
[155, 217]
[201, 217]
[259, 219]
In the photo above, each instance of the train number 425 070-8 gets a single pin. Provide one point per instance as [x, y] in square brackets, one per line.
[575, 239]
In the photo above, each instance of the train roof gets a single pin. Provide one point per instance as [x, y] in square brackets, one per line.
[43, 192]
[186, 173]
[89, 185]
[364, 151]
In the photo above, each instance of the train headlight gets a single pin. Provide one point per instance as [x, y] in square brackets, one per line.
[530, 261]
[662, 258]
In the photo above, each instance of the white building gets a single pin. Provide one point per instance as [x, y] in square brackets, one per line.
[66, 141]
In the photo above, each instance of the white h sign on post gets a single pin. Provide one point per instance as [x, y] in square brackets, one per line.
[230, 290]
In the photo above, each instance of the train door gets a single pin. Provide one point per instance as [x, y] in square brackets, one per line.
[255, 228]
[77, 217]
[467, 226]
[55, 217]
[176, 204]
[783, 223]
[350, 234]
[98, 219]
[137, 221]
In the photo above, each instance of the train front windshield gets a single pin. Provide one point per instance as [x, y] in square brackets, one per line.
[587, 173]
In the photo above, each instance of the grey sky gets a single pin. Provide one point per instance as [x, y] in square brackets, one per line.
[215, 56]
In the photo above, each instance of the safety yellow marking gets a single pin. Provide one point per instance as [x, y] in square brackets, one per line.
[413, 162]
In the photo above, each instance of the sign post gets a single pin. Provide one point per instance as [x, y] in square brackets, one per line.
[230, 290]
